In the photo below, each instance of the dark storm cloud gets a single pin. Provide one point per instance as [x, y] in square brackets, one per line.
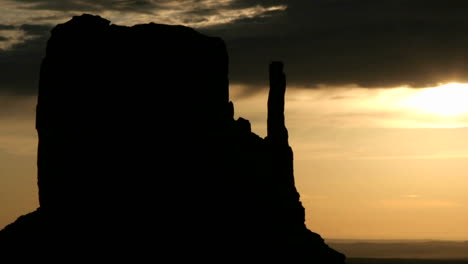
[6, 27]
[35, 29]
[202, 7]
[90, 5]
[370, 43]
[19, 65]
[247, 3]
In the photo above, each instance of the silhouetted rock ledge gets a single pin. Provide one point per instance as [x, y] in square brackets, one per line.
[140, 156]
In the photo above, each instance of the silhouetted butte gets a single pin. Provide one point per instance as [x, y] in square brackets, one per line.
[140, 155]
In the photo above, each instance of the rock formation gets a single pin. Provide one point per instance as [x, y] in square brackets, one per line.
[140, 155]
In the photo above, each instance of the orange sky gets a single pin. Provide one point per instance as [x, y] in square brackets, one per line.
[376, 163]
[369, 163]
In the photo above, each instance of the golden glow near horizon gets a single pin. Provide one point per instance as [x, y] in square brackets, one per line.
[447, 100]
[369, 163]
[375, 163]
[445, 106]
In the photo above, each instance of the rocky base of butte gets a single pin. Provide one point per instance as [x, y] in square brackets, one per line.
[140, 156]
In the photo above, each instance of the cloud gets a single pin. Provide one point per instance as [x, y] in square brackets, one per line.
[324, 43]
[383, 43]
[26, 29]
[411, 196]
[95, 5]
[195, 13]
[9, 36]
[202, 6]
[20, 59]
[7, 27]
[35, 29]
[417, 204]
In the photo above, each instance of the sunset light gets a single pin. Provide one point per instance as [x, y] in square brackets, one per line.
[447, 100]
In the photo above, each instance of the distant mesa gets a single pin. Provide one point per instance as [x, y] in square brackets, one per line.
[140, 155]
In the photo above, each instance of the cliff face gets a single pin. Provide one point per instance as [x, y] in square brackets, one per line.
[139, 153]
[118, 105]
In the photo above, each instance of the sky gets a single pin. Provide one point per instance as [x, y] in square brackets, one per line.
[376, 106]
